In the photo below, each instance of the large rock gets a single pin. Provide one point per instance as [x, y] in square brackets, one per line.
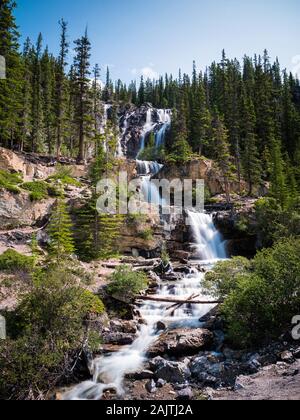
[17, 210]
[181, 342]
[171, 372]
[200, 169]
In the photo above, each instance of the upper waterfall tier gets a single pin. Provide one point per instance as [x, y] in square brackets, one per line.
[137, 123]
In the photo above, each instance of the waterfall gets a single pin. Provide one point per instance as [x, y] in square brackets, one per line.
[165, 120]
[109, 371]
[148, 127]
[209, 242]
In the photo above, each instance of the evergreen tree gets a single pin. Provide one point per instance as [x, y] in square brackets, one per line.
[82, 99]
[60, 88]
[222, 156]
[252, 169]
[60, 232]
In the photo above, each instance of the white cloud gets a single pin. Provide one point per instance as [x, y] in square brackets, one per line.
[149, 73]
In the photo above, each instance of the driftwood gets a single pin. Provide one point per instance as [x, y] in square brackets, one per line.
[175, 306]
[177, 301]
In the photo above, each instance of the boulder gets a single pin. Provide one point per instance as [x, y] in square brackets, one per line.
[185, 394]
[171, 372]
[181, 342]
[17, 210]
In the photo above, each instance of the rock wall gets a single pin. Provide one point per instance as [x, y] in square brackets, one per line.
[201, 169]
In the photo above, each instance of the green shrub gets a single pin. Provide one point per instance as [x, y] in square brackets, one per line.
[147, 234]
[261, 297]
[46, 334]
[127, 283]
[223, 279]
[40, 190]
[64, 175]
[10, 181]
[11, 260]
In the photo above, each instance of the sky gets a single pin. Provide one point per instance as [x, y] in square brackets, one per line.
[135, 37]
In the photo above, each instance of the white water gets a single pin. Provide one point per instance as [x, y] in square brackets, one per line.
[148, 127]
[165, 120]
[109, 371]
[209, 242]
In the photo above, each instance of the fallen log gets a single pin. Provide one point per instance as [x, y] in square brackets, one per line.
[177, 301]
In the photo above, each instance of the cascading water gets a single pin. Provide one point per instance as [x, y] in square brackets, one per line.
[210, 245]
[109, 371]
[148, 127]
[165, 120]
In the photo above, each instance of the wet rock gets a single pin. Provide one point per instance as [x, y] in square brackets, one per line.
[151, 386]
[296, 353]
[161, 383]
[171, 372]
[181, 342]
[120, 339]
[160, 326]
[287, 357]
[126, 327]
[140, 375]
[185, 394]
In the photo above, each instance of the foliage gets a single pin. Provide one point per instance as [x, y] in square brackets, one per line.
[222, 280]
[38, 190]
[64, 175]
[46, 335]
[11, 261]
[10, 181]
[274, 222]
[146, 234]
[60, 231]
[127, 283]
[261, 297]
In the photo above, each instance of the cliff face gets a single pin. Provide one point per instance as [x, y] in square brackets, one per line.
[201, 169]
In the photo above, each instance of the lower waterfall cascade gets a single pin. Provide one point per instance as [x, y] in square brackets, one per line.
[109, 371]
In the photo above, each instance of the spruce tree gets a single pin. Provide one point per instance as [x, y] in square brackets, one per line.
[60, 232]
[222, 156]
[60, 88]
[252, 169]
[82, 98]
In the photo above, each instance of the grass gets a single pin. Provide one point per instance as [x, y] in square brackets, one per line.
[10, 181]
[40, 190]
[64, 175]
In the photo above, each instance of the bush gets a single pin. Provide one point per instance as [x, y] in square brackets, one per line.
[274, 223]
[10, 181]
[147, 234]
[64, 175]
[223, 279]
[261, 297]
[127, 283]
[46, 334]
[11, 260]
[40, 190]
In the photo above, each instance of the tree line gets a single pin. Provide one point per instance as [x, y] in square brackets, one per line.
[245, 116]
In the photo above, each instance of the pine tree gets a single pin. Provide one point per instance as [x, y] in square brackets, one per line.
[278, 176]
[82, 100]
[60, 88]
[252, 169]
[11, 87]
[60, 232]
[222, 156]
[37, 136]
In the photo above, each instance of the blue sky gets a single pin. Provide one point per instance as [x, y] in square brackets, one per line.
[158, 36]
